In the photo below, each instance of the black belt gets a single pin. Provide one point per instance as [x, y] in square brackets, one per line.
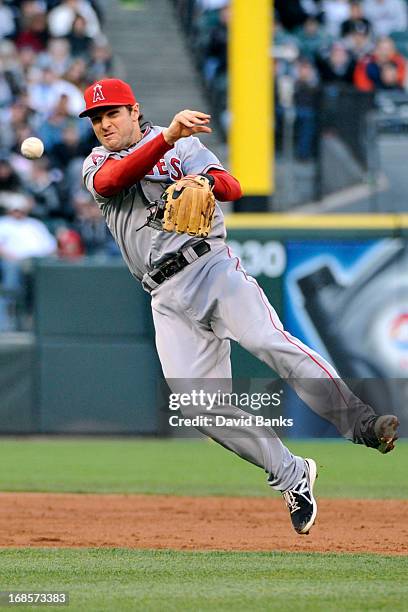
[174, 264]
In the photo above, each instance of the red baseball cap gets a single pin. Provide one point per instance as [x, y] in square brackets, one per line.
[107, 92]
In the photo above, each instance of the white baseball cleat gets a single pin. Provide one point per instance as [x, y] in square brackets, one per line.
[386, 432]
[300, 501]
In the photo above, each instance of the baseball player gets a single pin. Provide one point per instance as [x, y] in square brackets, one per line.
[201, 296]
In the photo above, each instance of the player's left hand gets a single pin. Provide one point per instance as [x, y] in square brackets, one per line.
[185, 123]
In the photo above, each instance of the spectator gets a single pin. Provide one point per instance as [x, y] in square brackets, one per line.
[20, 235]
[216, 51]
[285, 45]
[27, 65]
[91, 227]
[11, 68]
[12, 118]
[335, 12]
[27, 9]
[312, 38]
[23, 131]
[70, 146]
[337, 67]
[9, 179]
[34, 33]
[389, 77]
[367, 76]
[21, 238]
[70, 244]
[9, 55]
[6, 88]
[56, 57]
[359, 43]
[42, 93]
[7, 21]
[77, 73]
[356, 22]
[61, 18]
[50, 50]
[78, 38]
[67, 156]
[40, 184]
[50, 128]
[46, 94]
[305, 100]
[292, 14]
[386, 16]
[100, 64]
[205, 21]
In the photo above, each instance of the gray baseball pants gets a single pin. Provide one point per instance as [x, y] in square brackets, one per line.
[196, 313]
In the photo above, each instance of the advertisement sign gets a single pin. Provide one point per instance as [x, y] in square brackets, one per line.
[348, 299]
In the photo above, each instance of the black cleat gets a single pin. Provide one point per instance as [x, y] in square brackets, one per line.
[385, 431]
[300, 501]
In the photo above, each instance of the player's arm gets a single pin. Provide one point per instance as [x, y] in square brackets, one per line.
[188, 123]
[226, 186]
[115, 175]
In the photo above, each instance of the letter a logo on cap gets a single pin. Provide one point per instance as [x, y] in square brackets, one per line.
[98, 95]
[107, 92]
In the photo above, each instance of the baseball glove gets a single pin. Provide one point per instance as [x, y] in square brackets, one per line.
[189, 206]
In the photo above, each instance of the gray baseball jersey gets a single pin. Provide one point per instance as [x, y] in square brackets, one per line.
[213, 300]
[126, 212]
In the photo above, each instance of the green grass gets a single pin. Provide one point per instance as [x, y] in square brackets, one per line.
[121, 579]
[118, 579]
[136, 4]
[190, 467]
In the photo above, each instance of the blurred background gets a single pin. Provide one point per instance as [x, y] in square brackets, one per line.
[318, 137]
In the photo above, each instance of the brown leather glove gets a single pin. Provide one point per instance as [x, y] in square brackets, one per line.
[189, 206]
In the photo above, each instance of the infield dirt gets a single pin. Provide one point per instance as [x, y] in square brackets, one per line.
[199, 523]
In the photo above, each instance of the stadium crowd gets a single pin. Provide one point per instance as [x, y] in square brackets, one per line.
[50, 51]
[349, 44]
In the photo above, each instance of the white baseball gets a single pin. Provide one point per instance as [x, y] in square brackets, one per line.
[32, 148]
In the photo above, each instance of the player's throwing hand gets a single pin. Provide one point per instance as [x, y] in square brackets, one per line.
[186, 123]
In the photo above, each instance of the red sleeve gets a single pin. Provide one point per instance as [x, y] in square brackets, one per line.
[360, 78]
[115, 175]
[226, 187]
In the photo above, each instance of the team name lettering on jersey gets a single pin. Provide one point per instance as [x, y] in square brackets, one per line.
[167, 169]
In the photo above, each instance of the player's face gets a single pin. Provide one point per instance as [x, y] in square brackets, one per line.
[116, 128]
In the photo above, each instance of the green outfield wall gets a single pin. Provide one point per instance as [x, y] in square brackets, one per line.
[92, 366]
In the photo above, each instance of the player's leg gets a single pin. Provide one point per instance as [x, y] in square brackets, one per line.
[192, 357]
[245, 314]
